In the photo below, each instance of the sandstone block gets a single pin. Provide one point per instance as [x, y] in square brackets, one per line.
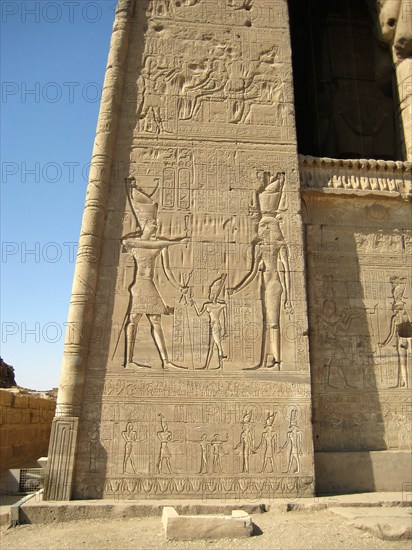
[176, 527]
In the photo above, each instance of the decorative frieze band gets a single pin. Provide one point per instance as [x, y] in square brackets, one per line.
[362, 176]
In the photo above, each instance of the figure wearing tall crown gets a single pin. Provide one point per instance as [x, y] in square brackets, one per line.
[146, 247]
[271, 264]
[270, 193]
[216, 310]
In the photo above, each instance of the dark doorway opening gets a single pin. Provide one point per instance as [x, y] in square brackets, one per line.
[345, 96]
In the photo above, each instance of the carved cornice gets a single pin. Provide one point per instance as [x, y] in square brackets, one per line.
[356, 176]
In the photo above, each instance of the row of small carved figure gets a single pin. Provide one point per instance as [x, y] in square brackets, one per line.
[279, 485]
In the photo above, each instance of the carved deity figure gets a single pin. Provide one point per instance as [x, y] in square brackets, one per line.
[241, 89]
[93, 447]
[246, 445]
[395, 25]
[271, 261]
[204, 454]
[332, 329]
[216, 309]
[151, 88]
[270, 192]
[400, 329]
[146, 247]
[294, 442]
[269, 443]
[165, 437]
[217, 451]
[365, 355]
[130, 437]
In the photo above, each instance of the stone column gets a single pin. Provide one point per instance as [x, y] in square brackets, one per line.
[404, 81]
[64, 430]
[395, 28]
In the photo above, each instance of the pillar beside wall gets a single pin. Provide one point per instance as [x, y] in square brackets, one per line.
[63, 439]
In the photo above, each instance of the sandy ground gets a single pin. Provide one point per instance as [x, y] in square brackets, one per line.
[275, 530]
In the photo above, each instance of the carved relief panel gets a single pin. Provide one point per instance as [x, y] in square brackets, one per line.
[359, 311]
[206, 261]
[198, 379]
[197, 438]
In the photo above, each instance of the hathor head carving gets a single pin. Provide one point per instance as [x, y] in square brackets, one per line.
[395, 25]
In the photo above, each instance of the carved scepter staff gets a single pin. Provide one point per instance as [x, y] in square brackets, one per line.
[129, 182]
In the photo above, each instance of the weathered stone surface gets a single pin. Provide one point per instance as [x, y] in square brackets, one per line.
[25, 422]
[187, 365]
[176, 527]
[211, 257]
[361, 471]
[387, 524]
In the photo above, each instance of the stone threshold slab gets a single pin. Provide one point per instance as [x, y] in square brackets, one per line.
[38, 511]
[198, 527]
[384, 523]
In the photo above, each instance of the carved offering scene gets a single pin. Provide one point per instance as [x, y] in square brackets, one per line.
[210, 449]
[241, 319]
[360, 302]
[207, 273]
[191, 377]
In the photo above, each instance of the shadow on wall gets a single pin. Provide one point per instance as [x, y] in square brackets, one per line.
[357, 317]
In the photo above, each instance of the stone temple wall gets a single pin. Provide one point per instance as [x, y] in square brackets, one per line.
[234, 308]
[358, 251]
[24, 428]
[195, 377]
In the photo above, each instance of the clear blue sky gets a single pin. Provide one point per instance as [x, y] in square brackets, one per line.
[53, 58]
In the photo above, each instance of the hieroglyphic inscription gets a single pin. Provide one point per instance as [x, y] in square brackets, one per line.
[200, 381]
[240, 442]
[361, 325]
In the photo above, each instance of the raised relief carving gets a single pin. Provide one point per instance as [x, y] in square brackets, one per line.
[145, 297]
[150, 87]
[216, 309]
[217, 449]
[132, 456]
[204, 454]
[269, 443]
[294, 443]
[165, 437]
[246, 445]
[221, 82]
[219, 331]
[168, 8]
[333, 326]
[94, 439]
[130, 437]
[271, 263]
[400, 329]
[211, 203]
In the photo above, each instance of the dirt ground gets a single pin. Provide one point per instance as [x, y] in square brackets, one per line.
[274, 530]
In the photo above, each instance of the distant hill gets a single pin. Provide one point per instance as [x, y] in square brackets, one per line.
[7, 379]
